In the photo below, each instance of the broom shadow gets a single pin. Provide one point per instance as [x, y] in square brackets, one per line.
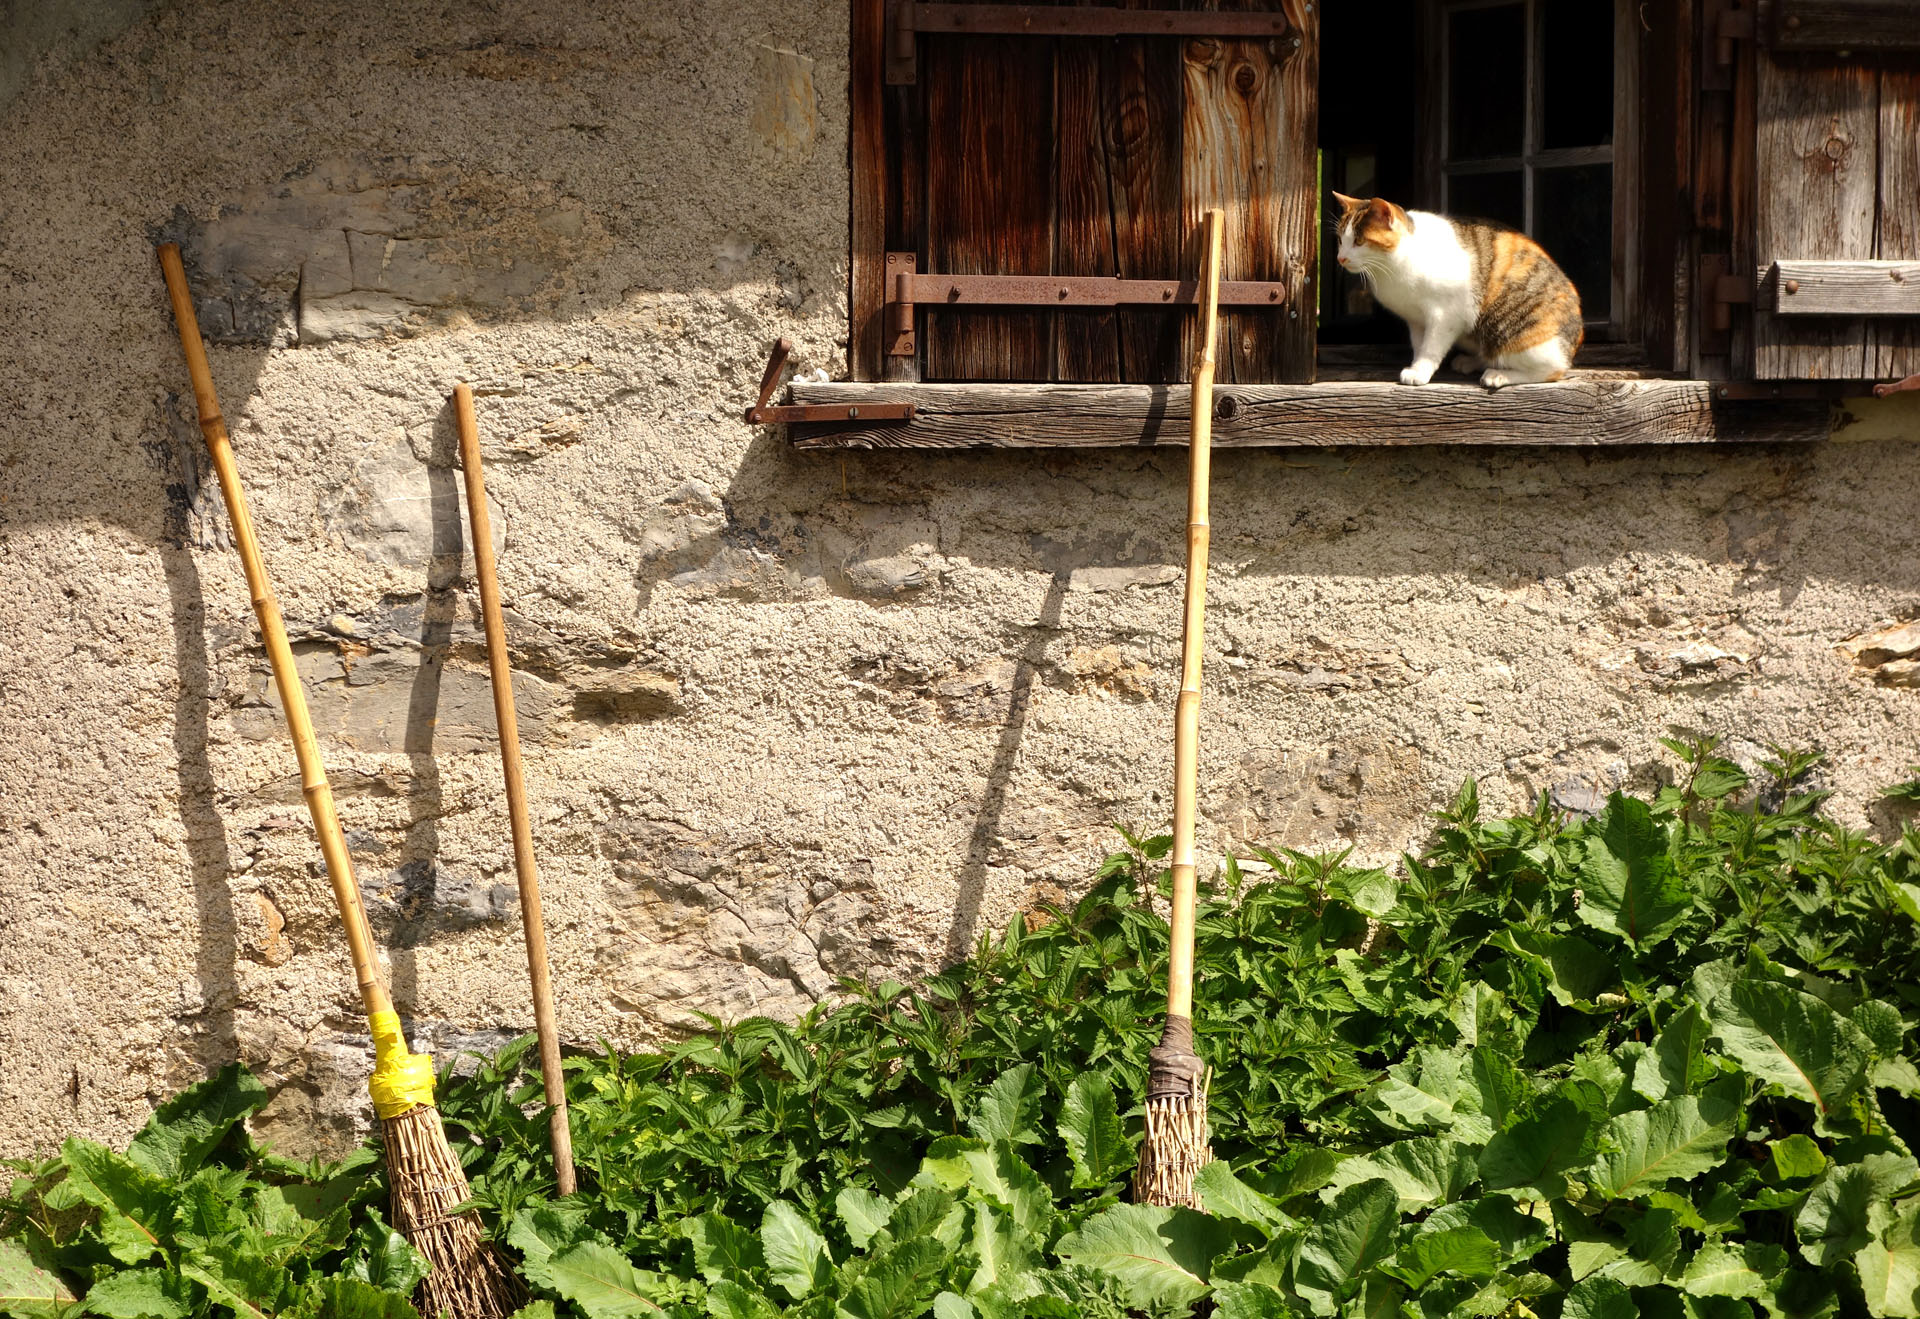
[993, 804]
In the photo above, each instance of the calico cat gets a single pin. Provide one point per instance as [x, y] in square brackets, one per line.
[1483, 286]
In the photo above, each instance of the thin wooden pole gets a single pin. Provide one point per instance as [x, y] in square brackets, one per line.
[524, 864]
[1186, 718]
[273, 633]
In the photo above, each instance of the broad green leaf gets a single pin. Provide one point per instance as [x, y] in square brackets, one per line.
[604, 1283]
[1002, 1248]
[947, 1305]
[1249, 1300]
[1426, 1091]
[1881, 1024]
[898, 1284]
[1646, 1149]
[1533, 1156]
[1676, 1064]
[1845, 1208]
[1652, 1250]
[1904, 896]
[1500, 1093]
[134, 1206]
[1599, 1298]
[1796, 1156]
[1423, 1171]
[722, 1247]
[1226, 1196]
[1463, 1250]
[1715, 1307]
[1721, 1268]
[1629, 885]
[727, 1299]
[1791, 1039]
[1889, 1268]
[927, 1212]
[1352, 1234]
[379, 1255]
[862, 1213]
[1307, 1171]
[795, 1251]
[1009, 1109]
[250, 1285]
[1576, 972]
[184, 1130]
[1519, 1236]
[26, 1289]
[1090, 1126]
[1004, 1177]
[1369, 892]
[1159, 1255]
[534, 1310]
[544, 1231]
[349, 1298]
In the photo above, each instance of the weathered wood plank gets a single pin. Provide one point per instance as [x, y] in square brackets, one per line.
[989, 153]
[1143, 153]
[1086, 343]
[1857, 25]
[1249, 130]
[868, 227]
[1582, 411]
[1817, 138]
[1842, 288]
[1893, 351]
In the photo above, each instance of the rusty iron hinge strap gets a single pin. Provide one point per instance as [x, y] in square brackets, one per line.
[767, 413]
[1732, 26]
[907, 19]
[1722, 290]
[907, 290]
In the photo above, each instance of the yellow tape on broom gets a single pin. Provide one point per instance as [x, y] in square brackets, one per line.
[402, 1081]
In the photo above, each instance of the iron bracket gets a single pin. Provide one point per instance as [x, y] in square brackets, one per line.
[908, 19]
[765, 413]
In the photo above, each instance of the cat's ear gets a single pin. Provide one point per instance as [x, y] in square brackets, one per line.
[1384, 213]
[1346, 203]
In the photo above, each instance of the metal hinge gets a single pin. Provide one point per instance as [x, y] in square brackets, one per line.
[1720, 292]
[1725, 25]
[764, 414]
[907, 289]
[908, 19]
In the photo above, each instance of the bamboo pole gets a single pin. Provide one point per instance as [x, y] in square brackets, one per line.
[1176, 1147]
[525, 866]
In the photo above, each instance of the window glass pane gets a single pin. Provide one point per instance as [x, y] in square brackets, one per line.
[1487, 197]
[1576, 73]
[1487, 81]
[1573, 220]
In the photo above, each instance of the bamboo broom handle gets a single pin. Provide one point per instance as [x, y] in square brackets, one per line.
[525, 867]
[1186, 717]
[273, 633]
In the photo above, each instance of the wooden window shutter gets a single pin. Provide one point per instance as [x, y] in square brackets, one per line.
[1837, 179]
[1084, 156]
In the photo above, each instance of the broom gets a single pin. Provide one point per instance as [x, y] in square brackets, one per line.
[524, 865]
[1176, 1139]
[467, 1278]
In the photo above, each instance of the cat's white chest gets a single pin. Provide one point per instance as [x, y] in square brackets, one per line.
[1429, 273]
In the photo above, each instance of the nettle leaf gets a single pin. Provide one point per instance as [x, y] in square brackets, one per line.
[1090, 1126]
[1466, 1251]
[1352, 1234]
[861, 1212]
[729, 1300]
[1843, 1211]
[898, 1283]
[1890, 1268]
[1677, 1063]
[1226, 1196]
[1010, 1108]
[1629, 887]
[140, 1294]
[1796, 1156]
[135, 1207]
[26, 1289]
[721, 1247]
[1791, 1039]
[605, 1284]
[1423, 1171]
[1534, 1155]
[1158, 1255]
[1648, 1148]
[184, 1130]
[796, 1253]
[1370, 892]
[1599, 1298]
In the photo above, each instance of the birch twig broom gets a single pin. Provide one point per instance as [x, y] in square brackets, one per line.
[468, 1279]
[1176, 1139]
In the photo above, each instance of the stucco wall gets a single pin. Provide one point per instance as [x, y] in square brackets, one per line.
[787, 717]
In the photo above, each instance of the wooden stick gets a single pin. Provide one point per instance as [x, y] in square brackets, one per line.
[524, 864]
[273, 633]
[1186, 718]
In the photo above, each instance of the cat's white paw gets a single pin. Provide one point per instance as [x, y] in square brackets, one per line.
[1468, 363]
[1416, 375]
[1495, 379]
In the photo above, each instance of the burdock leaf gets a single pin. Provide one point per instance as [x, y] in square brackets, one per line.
[349, 1298]
[1463, 1250]
[729, 1300]
[1676, 1064]
[1010, 1108]
[1599, 1297]
[898, 1284]
[1535, 1154]
[1226, 1196]
[1159, 1255]
[604, 1283]
[1647, 1148]
[1629, 885]
[1792, 1040]
[1352, 1234]
[134, 1205]
[1890, 1269]
[1843, 1211]
[1424, 1171]
[1090, 1126]
[26, 1289]
[184, 1130]
[862, 1213]
[796, 1252]
[139, 1294]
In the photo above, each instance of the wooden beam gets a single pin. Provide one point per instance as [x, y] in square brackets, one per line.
[1842, 288]
[1846, 25]
[1582, 411]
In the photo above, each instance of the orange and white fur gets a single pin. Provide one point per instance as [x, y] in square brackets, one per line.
[1491, 291]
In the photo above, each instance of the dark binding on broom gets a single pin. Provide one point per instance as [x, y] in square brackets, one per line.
[1176, 1146]
[467, 1279]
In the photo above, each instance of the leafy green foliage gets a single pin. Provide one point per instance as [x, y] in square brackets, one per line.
[1658, 1062]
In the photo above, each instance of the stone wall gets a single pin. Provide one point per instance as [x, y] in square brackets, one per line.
[788, 717]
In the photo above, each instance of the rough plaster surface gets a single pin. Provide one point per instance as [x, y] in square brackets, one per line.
[787, 717]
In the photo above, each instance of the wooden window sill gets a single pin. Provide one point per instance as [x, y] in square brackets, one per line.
[1589, 408]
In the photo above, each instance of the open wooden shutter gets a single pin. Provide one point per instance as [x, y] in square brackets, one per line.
[1837, 211]
[1088, 157]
